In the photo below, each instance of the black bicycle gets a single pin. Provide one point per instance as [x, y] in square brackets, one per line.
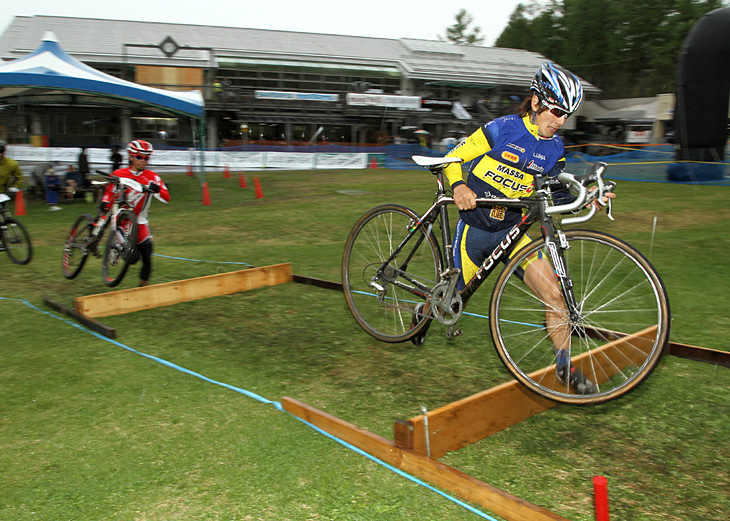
[605, 305]
[14, 238]
[86, 236]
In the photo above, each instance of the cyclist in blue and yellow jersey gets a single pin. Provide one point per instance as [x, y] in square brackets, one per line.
[507, 153]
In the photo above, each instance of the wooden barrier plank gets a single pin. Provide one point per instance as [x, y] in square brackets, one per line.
[168, 293]
[700, 354]
[498, 501]
[321, 283]
[380, 447]
[474, 418]
[91, 324]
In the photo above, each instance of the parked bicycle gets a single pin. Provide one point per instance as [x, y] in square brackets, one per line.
[86, 234]
[14, 238]
[614, 310]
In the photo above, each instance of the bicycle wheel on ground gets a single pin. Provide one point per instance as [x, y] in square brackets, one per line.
[382, 298]
[616, 338]
[17, 241]
[76, 247]
[120, 248]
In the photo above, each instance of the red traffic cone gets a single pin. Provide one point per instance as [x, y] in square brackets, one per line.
[373, 162]
[206, 194]
[226, 172]
[257, 187]
[19, 203]
[242, 181]
[190, 170]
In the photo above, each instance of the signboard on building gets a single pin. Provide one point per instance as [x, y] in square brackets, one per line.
[297, 96]
[384, 100]
[436, 104]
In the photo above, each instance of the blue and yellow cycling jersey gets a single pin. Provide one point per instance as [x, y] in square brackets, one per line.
[507, 153]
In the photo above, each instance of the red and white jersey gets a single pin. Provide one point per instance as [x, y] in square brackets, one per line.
[139, 201]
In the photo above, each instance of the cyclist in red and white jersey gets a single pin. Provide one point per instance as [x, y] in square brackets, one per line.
[139, 152]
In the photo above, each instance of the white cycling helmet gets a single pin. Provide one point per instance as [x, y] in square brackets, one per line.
[557, 88]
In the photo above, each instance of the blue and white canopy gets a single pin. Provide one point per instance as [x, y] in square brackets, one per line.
[49, 75]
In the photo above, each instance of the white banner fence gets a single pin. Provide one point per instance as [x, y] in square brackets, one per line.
[100, 158]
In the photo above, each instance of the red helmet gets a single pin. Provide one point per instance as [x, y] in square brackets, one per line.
[141, 147]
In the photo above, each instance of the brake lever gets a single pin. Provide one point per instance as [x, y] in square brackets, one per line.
[609, 210]
[610, 185]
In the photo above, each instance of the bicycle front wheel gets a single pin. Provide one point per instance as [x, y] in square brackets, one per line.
[615, 339]
[76, 247]
[120, 247]
[382, 297]
[17, 241]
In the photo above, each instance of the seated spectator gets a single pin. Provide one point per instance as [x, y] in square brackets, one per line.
[53, 185]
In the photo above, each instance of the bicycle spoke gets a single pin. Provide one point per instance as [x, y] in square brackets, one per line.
[381, 296]
[616, 337]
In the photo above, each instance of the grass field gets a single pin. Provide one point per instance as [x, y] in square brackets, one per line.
[92, 429]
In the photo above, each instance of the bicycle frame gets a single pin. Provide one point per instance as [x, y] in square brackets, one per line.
[538, 209]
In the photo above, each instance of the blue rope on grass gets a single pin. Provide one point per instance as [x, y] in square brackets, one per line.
[261, 399]
[198, 260]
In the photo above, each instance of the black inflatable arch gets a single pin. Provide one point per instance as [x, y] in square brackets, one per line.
[702, 91]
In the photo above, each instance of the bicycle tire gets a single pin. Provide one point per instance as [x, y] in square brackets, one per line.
[75, 249]
[120, 247]
[387, 314]
[17, 241]
[617, 341]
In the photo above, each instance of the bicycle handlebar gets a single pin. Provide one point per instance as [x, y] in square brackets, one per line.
[585, 197]
[578, 183]
[129, 183]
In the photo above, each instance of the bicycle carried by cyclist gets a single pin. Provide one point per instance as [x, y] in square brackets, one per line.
[613, 311]
[14, 238]
[86, 234]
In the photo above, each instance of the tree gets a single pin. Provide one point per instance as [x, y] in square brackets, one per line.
[459, 32]
[627, 48]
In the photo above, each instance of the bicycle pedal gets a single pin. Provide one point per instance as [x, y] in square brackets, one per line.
[453, 333]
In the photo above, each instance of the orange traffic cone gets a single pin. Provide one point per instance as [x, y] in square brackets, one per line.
[373, 162]
[226, 172]
[206, 194]
[257, 187]
[190, 170]
[242, 181]
[19, 203]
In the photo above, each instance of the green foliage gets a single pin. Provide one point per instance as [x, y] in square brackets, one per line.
[628, 48]
[460, 33]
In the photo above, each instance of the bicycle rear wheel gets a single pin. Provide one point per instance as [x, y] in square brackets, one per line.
[17, 241]
[120, 247]
[383, 303]
[75, 249]
[616, 340]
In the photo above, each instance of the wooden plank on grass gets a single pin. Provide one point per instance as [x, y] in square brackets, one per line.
[91, 324]
[169, 293]
[321, 283]
[700, 354]
[471, 419]
[501, 503]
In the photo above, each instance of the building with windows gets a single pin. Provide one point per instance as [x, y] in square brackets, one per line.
[269, 87]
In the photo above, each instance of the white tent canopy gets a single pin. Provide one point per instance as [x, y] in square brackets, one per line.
[49, 75]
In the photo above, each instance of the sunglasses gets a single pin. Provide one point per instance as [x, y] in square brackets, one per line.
[555, 111]
[142, 158]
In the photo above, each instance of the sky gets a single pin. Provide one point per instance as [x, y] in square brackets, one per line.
[425, 20]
